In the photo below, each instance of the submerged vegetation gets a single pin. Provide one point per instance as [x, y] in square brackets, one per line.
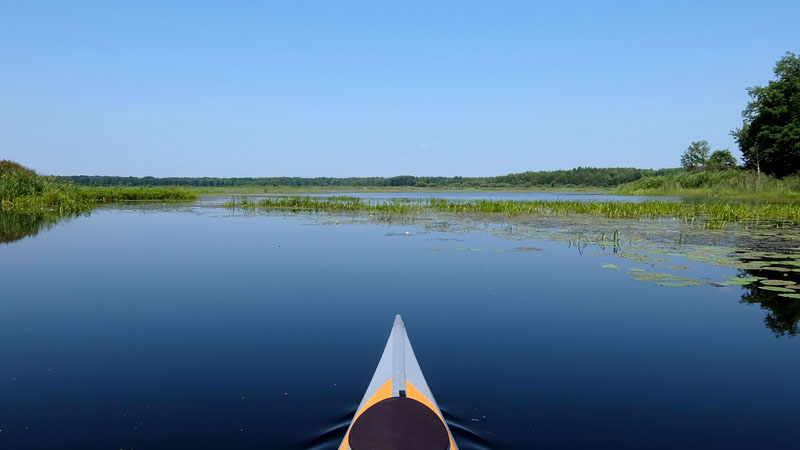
[23, 190]
[715, 213]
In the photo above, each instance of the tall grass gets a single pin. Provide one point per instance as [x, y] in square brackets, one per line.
[22, 189]
[127, 194]
[720, 212]
[731, 183]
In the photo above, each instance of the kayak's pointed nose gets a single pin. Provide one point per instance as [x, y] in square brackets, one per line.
[398, 321]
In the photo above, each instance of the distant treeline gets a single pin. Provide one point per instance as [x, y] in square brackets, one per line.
[581, 176]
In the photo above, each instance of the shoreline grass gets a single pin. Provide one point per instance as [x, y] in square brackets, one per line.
[720, 213]
[23, 190]
[739, 184]
[134, 194]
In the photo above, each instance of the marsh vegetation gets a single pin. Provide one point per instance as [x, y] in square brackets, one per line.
[727, 183]
[23, 190]
[715, 214]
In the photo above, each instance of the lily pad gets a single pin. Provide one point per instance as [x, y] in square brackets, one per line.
[610, 266]
[794, 296]
[747, 279]
[776, 282]
[775, 289]
[636, 269]
[736, 283]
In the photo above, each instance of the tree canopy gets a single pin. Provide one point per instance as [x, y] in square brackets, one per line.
[696, 156]
[721, 160]
[770, 135]
[581, 176]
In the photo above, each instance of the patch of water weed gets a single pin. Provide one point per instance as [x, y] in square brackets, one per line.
[679, 283]
[665, 279]
[643, 258]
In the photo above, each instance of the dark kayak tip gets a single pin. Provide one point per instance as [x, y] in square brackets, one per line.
[398, 411]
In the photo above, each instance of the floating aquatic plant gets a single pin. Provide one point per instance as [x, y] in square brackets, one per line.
[776, 282]
[776, 289]
[679, 283]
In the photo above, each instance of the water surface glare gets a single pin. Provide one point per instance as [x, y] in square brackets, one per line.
[201, 328]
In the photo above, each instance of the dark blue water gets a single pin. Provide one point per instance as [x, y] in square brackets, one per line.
[196, 329]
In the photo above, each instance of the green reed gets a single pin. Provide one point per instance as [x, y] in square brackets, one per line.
[128, 194]
[716, 213]
[23, 190]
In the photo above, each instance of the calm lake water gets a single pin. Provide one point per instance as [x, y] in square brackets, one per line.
[196, 327]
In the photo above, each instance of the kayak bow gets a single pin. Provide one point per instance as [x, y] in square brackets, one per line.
[398, 411]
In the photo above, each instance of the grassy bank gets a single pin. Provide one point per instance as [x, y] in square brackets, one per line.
[731, 183]
[22, 189]
[720, 213]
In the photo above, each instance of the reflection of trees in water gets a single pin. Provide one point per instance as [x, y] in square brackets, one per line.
[783, 313]
[15, 226]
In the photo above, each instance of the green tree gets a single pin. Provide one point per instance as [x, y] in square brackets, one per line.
[770, 135]
[721, 160]
[696, 156]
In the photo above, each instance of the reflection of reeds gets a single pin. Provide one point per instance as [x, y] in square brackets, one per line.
[716, 215]
[15, 226]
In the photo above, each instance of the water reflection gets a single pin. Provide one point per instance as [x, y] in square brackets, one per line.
[15, 226]
[783, 314]
[580, 233]
[211, 327]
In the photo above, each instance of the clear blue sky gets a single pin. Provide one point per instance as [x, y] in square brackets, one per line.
[191, 88]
